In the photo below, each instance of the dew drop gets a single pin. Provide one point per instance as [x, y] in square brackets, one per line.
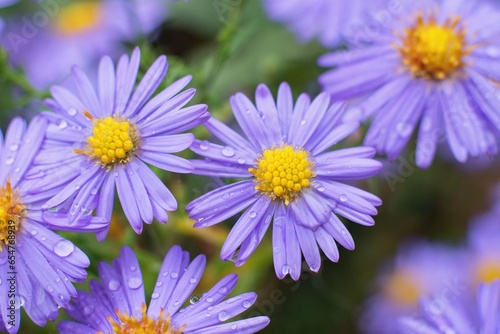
[204, 145]
[404, 129]
[34, 232]
[50, 288]
[174, 275]
[303, 122]
[228, 152]
[241, 160]
[64, 248]
[193, 280]
[62, 124]
[247, 304]
[72, 112]
[223, 316]
[134, 282]
[320, 188]
[285, 269]
[93, 191]
[155, 295]
[253, 214]
[343, 198]
[133, 268]
[114, 285]
[88, 309]
[194, 299]
[9, 161]
[14, 147]
[209, 300]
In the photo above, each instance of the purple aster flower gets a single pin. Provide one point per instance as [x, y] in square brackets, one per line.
[463, 315]
[290, 179]
[56, 36]
[36, 265]
[434, 65]
[116, 303]
[102, 138]
[419, 269]
[331, 21]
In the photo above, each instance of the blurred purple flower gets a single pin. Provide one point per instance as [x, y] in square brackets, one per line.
[464, 315]
[116, 303]
[331, 21]
[5, 3]
[99, 138]
[290, 179]
[419, 269]
[48, 42]
[36, 265]
[434, 65]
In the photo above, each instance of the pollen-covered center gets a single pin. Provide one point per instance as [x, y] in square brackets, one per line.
[402, 288]
[113, 140]
[130, 325]
[434, 51]
[78, 17]
[282, 172]
[12, 212]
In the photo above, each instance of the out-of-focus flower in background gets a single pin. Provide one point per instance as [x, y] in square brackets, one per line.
[103, 137]
[117, 302]
[419, 269]
[290, 179]
[37, 266]
[432, 65]
[53, 37]
[467, 314]
[330, 21]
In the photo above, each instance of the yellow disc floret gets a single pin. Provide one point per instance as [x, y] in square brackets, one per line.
[12, 212]
[282, 172]
[78, 17]
[113, 140]
[488, 270]
[402, 288]
[434, 51]
[146, 325]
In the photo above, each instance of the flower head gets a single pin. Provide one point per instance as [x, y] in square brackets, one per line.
[431, 67]
[419, 269]
[116, 303]
[36, 265]
[291, 180]
[103, 137]
[464, 314]
[76, 32]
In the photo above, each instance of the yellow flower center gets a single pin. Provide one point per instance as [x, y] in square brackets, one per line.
[77, 17]
[113, 140]
[131, 325]
[12, 211]
[402, 289]
[434, 51]
[487, 271]
[282, 173]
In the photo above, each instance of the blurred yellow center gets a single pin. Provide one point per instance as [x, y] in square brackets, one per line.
[113, 140]
[434, 51]
[78, 17]
[402, 289]
[131, 325]
[282, 173]
[12, 212]
[488, 271]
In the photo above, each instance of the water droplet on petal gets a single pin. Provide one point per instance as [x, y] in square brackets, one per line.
[253, 214]
[88, 309]
[223, 316]
[241, 160]
[64, 248]
[72, 111]
[114, 285]
[194, 299]
[155, 295]
[50, 288]
[404, 129]
[193, 280]
[14, 147]
[228, 152]
[9, 161]
[62, 124]
[343, 198]
[209, 300]
[285, 269]
[247, 304]
[204, 145]
[134, 282]
[174, 275]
